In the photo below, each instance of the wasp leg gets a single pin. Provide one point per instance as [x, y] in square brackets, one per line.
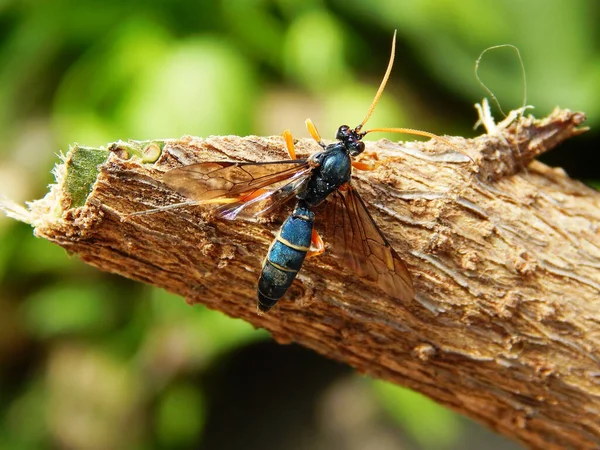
[289, 143]
[317, 242]
[359, 165]
[314, 132]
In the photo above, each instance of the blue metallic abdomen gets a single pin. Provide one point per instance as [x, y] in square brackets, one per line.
[285, 257]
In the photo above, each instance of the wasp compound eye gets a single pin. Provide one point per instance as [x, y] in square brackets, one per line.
[356, 147]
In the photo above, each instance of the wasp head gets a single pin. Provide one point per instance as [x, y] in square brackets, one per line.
[352, 139]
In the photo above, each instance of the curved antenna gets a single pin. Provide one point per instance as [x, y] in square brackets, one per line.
[381, 86]
[417, 133]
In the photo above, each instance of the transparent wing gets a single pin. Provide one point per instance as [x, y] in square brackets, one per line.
[249, 188]
[228, 179]
[355, 238]
[263, 201]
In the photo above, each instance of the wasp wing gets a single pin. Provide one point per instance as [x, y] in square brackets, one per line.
[229, 179]
[356, 238]
[263, 201]
[251, 188]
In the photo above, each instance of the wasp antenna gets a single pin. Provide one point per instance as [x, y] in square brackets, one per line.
[419, 133]
[312, 129]
[382, 85]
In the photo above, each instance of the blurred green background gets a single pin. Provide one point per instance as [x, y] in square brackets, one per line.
[93, 361]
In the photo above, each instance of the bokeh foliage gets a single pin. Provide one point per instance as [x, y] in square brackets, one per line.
[90, 360]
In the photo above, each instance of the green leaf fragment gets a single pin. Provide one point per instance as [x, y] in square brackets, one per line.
[82, 171]
[82, 164]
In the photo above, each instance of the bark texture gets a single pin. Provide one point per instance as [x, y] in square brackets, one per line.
[505, 326]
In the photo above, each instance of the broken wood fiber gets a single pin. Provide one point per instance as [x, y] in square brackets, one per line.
[504, 253]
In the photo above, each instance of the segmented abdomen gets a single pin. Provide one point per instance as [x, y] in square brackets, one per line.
[285, 257]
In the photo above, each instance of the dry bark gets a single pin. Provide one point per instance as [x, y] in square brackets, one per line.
[505, 325]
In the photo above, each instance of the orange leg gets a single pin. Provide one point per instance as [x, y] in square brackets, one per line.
[314, 132]
[317, 242]
[289, 143]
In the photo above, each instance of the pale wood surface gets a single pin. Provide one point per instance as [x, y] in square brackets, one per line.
[505, 326]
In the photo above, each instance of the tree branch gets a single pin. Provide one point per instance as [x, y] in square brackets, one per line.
[505, 325]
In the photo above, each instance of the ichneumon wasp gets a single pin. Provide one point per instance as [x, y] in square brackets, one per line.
[248, 189]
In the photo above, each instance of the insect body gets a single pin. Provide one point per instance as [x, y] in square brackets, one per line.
[246, 189]
[332, 169]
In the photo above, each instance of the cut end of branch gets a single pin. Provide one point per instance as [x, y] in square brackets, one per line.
[513, 143]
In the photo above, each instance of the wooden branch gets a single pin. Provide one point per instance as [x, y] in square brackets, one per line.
[505, 326]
